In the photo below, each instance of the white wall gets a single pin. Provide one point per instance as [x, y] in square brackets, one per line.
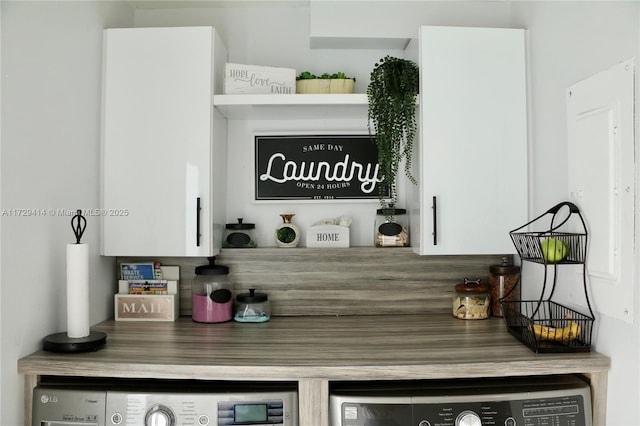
[51, 71]
[570, 41]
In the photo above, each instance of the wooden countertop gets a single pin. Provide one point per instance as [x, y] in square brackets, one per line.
[321, 347]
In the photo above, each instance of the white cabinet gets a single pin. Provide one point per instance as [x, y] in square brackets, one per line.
[163, 143]
[472, 146]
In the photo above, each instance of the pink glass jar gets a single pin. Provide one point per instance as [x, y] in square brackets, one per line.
[211, 296]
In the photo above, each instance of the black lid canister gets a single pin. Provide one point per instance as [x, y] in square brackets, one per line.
[503, 280]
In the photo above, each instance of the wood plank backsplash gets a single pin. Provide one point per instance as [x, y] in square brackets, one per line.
[350, 281]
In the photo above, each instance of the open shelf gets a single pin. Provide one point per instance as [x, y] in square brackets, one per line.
[292, 107]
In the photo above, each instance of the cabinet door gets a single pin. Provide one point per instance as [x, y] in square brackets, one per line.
[473, 140]
[156, 142]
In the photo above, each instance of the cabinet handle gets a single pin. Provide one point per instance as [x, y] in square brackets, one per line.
[198, 222]
[434, 205]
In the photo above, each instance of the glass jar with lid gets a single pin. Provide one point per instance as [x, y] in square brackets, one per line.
[239, 235]
[391, 227]
[471, 300]
[503, 280]
[252, 307]
[211, 297]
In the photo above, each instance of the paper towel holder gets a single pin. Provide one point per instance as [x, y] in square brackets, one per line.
[61, 342]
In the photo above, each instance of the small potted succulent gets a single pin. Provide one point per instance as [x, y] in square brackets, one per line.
[307, 82]
[287, 233]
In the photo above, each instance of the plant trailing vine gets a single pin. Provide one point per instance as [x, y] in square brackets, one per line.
[392, 113]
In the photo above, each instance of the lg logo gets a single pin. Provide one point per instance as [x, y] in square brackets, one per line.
[45, 399]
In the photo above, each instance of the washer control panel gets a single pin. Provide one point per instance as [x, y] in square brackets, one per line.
[87, 407]
[165, 409]
[535, 401]
[570, 410]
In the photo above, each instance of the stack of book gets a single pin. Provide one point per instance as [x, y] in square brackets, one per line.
[147, 292]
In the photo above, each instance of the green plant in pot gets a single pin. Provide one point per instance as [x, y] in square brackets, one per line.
[392, 95]
[287, 233]
[338, 82]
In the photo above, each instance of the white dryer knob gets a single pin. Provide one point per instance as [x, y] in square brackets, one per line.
[468, 418]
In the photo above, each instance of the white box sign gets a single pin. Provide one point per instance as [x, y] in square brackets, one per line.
[134, 307]
[254, 79]
[328, 236]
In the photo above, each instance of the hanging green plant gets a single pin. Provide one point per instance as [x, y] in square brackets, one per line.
[392, 117]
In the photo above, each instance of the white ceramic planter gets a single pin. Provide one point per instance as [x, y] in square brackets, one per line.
[341, 85]
[286, 223]
[325, 85]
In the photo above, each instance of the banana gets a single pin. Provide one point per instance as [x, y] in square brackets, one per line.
[570, 332]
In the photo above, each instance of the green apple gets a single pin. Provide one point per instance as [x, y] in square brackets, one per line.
[554, 250]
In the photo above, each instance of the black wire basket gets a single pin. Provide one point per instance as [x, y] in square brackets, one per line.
[551, 243]
[544, 325]
[551, 247]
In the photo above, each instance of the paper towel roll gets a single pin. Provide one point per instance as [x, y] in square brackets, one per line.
[78, 290]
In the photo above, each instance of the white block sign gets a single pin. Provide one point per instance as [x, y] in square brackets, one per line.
[254, 79]
[328, 236]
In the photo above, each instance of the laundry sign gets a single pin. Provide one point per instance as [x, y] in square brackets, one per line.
[316, 167]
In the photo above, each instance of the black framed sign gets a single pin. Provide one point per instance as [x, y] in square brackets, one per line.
[316, 167]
